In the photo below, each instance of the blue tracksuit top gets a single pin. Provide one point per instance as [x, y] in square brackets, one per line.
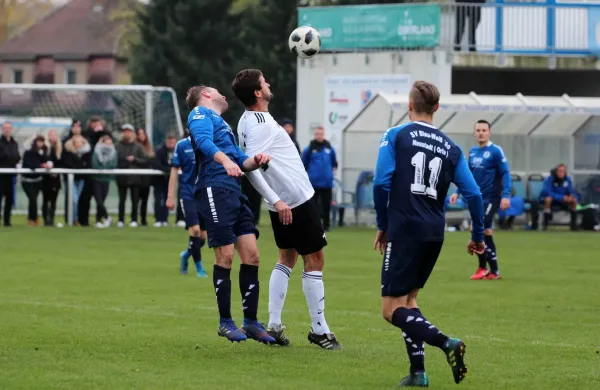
[209, 134]
[319, 159]
[490, 170]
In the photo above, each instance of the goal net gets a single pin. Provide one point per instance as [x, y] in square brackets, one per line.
[38, 108]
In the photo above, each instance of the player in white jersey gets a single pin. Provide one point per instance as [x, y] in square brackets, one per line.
[295, 219]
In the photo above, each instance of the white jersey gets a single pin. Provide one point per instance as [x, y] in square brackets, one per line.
[285, 177]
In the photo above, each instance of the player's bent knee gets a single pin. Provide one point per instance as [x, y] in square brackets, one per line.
[288, 257]
[390, 304]
[548, 201]
[203, 234]
[314, 261]
[194, 231]
[246, 247]
[224, 256]
[488, 232]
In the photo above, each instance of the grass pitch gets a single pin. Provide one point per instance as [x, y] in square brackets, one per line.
[82, 308]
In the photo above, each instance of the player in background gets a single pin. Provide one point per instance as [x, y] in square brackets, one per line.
[184, 159]
[295, 218]
[490, 169]
[229, 220]
[415, 167]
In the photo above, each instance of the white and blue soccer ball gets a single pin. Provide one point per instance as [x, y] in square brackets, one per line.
[305, 42]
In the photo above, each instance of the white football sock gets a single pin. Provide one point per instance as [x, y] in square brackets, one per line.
[278, 286]
[314, 291]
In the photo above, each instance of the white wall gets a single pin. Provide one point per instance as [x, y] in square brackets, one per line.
[431, 66]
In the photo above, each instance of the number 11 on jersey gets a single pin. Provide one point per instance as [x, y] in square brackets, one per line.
[435, 166]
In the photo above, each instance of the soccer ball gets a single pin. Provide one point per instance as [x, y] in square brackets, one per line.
[305, 42]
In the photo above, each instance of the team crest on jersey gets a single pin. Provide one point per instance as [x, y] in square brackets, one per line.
[486, 154]
[327, 150]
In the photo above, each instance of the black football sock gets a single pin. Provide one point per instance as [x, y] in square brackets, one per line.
[573, 220]
[547, 218]
[250, 290]
[491, 254]
[482, 260]
[417, 326]
[195, 245]
[415, 347]
[222, 284]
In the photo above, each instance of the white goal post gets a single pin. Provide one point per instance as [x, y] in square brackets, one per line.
[155, 109]
[38, 108]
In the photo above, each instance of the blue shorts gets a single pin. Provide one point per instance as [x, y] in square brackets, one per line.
[490, 208]
[407, 266]
[227, 215]
[191, 214]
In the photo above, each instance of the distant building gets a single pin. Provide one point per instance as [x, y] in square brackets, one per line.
[75, 44]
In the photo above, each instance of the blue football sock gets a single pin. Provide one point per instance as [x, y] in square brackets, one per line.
[416, 326]
[491, 254]
[222, 284]
[249, 287]
[415, 347]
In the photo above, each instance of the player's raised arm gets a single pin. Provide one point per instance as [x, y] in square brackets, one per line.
[469, 189]
[384, 170]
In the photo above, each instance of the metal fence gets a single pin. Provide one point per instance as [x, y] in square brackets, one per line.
[112, 200]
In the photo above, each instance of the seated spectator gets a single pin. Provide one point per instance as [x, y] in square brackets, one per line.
[558, 192]
[77, 155]
[507, 217]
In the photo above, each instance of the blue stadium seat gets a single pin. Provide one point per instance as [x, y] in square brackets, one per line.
[348, 200]
[456, 207]
[363, 198]
[519, 189]
[535, 184]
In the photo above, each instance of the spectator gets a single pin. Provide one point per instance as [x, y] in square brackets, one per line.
[131, 156]
[95, 130]
[320, 162]
[464, 12]
[162, 162]
[9, 158]
[288, 126]
[51, 182]
[104, 157]
[34, 158]
[559, 192]
[77, 155]
[75, 129]
[145, 180]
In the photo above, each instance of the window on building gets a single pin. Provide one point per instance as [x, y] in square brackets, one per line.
[17, 76]
[70, 76]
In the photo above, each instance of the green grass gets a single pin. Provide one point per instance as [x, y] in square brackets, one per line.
[106, 309]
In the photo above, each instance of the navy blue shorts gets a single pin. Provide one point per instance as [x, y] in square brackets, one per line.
[227, 215]
[490, 208]
[407, 266]
[191, 214]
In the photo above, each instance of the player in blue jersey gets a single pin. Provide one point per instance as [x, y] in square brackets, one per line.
[490, 169]
[184, 159]
[415, 167]
[229, 220]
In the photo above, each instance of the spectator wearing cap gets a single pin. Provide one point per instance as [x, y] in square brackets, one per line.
[288, 126]
[131, 156]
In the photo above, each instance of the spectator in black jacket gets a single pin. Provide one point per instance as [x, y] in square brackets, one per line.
[34, 158]
[162, 162]
[51, 183]
[9, 158]
[77, 155]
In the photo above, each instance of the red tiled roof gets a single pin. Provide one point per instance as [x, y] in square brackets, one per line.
[78, 29]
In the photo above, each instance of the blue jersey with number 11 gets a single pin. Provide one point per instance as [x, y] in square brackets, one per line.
[415, 167]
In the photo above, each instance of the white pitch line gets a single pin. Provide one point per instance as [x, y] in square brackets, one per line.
[146, 311]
